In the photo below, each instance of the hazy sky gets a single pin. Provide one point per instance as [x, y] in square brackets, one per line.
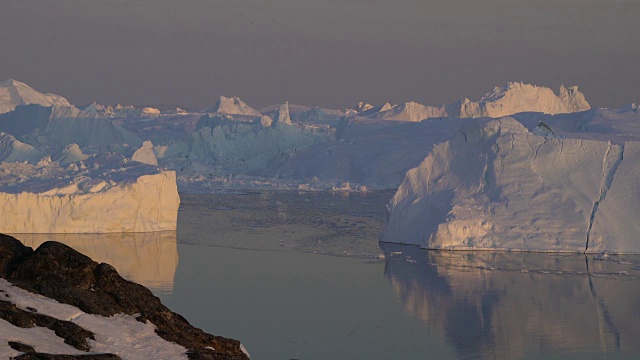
[330, 53]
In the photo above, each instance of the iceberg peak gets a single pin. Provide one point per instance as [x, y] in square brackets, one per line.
[233, 106]
[14, 93]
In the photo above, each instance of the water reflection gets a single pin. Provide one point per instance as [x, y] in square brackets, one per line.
[520, 305]
[149, 258]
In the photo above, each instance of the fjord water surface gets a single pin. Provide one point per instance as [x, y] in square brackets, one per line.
[299, 275]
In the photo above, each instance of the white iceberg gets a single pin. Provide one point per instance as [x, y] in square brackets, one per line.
[14, 93]
[496, 185]
[109, 195]
[145, 154]
[233, 106]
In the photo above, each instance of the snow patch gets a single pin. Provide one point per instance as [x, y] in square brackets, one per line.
[120, 334]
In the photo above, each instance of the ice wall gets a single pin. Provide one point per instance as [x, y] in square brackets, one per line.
[146, 203]
[497, 185]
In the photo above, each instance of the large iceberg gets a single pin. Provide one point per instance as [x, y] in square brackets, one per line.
[512, 98]
[518, 97]
[14, 93]
[498, 185]
[108, 194]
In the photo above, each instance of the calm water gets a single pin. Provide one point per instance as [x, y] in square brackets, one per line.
[302, 276]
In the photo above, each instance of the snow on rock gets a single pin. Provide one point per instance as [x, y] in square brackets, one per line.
[99, 310]
[145, 154]
[496, 185]
[119, 334]
[14, 93]
[12, 150]
[233, 106]
[109, 195]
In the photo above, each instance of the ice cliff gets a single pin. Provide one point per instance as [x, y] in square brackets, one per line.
[497, 185]
[103, 194]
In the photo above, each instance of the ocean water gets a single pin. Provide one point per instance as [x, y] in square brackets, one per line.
[297, 275]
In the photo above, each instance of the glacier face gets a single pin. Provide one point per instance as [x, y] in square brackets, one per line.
[497, 185]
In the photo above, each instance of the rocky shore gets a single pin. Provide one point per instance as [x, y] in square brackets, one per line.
[69, 296]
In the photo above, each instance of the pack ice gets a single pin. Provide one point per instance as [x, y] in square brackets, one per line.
[566, 184]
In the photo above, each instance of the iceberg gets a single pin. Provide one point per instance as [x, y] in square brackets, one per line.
[13, 150]
[411, 111]
[14, 93]
[145, 154]
[233, 106]
[63, 125]
[107, 195]
[510, 99]
[516, 97]
[497, 185]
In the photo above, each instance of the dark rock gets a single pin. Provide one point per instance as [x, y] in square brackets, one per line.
[43, 356]
[18, 346]
[71, 333]
[11, 252]
[61, 273]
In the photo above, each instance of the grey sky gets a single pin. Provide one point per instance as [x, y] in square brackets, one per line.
[329, 53]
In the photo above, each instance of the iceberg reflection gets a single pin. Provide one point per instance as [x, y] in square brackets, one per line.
[149, 258]
[520, 305]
